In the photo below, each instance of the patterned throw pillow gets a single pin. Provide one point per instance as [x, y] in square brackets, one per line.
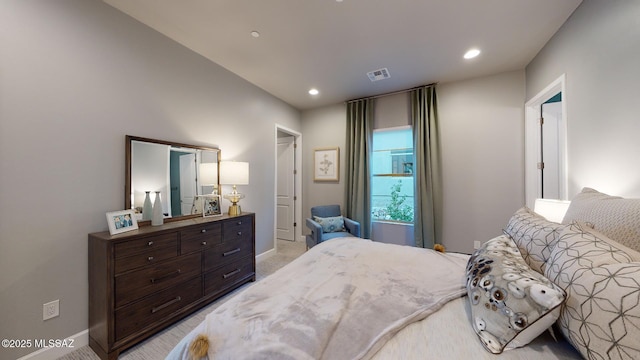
[330, 224]
[615, 217]
[601, 316]
[534, 235]
[511, 304]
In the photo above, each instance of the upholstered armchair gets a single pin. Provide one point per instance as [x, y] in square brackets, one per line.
[327, 222]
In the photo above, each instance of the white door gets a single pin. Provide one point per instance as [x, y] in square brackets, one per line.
[551, 115]
[187, 182]
[285, 216]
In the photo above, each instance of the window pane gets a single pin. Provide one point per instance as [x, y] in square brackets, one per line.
[392, 198]
[392, 180]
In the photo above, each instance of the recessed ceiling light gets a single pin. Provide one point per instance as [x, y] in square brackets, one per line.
[471, 53]
[255, 34]
[314, 92]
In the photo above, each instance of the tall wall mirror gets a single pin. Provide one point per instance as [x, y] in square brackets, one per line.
[179, 172]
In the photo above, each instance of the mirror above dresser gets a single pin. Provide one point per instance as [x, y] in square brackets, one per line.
[178, 172]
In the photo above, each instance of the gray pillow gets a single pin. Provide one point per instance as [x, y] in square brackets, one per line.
[511, 304]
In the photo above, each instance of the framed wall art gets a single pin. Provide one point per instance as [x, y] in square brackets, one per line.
[326, 164]
[121, 221]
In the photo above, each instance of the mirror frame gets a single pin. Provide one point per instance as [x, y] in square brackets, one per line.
[127, 177]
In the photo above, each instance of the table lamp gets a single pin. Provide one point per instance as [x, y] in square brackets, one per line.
[209, 176]
[234, 173]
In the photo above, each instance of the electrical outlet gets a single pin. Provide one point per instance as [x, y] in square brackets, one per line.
[476, 244]
[51, 310]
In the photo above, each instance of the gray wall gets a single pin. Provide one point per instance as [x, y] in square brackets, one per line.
[482, 135]
[76, 76]
[323, 127]
[598, 49]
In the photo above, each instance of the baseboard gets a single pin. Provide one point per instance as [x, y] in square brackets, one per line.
[265, 255]
[74, 342]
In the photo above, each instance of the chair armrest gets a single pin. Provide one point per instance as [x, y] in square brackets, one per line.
[352, 226]
[316, 231]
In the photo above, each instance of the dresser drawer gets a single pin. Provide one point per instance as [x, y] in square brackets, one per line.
[237, 229]
[228, 275]
[199, 237]
[145, 258]
[157, 277]
[227, 252]
[145, 244]
[136, 316]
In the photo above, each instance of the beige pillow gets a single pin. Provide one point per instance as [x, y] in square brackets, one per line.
[615, 217]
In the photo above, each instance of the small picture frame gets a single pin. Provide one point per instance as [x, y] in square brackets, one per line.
[211, 205]
[121, 221]
[326, 162]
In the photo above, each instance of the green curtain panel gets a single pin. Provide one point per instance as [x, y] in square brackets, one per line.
[427, 174]
[358, 155]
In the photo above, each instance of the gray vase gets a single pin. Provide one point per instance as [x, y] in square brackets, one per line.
[147, 208]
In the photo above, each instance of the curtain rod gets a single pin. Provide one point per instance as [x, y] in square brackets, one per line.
[390, 93]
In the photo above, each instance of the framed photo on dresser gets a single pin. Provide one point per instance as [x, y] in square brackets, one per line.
[121, 221]
[211, 205]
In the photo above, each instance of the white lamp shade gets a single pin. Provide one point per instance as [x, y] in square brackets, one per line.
[552, 210]
[209, 174]
[234, 173]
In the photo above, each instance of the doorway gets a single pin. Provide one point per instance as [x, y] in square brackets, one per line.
[545, 144]
[285, 194]
[288, 188]
[550, 161]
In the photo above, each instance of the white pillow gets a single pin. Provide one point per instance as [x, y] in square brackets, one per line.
[534, 235]
[615, 217]
[601, 316]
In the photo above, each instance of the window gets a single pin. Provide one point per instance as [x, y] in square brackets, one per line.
[392, 175]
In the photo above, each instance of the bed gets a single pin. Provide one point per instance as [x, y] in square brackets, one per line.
[356, 299]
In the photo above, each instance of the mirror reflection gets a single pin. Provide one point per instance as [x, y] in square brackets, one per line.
[178, 172]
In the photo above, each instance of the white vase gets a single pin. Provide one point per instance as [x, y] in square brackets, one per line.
[147, 208]
[157, 218]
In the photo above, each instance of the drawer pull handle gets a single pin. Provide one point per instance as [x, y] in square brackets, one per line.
[165, 277]
[231, 252]
[150, 258]
[239, 222]
[155, 309]
[204, 243]
[231, 273]
[239, 233]
[203, 231]
[150, 243]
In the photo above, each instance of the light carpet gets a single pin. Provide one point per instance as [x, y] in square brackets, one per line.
[159, 345]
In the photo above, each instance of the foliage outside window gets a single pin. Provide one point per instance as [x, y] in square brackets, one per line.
[392, 179]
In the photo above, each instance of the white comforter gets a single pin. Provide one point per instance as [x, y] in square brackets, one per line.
[343, 299]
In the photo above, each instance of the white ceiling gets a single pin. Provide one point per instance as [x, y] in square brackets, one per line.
[331, 45]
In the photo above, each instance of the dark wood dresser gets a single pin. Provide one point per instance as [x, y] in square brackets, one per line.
[142, 281]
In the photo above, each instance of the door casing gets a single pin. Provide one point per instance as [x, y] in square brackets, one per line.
[532, 151]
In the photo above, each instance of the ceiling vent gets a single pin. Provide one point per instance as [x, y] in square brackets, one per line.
[379, 74]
